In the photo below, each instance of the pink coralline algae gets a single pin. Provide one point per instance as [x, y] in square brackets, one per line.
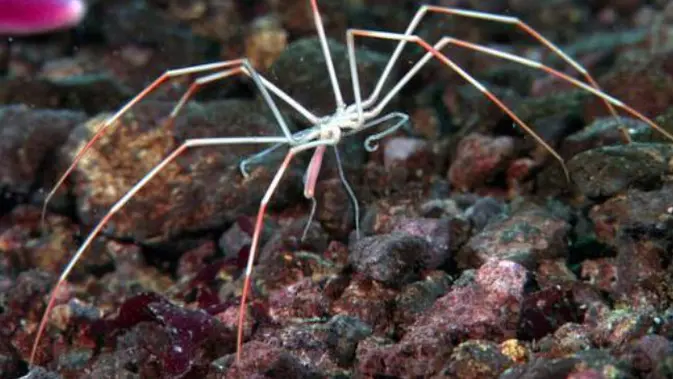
[25, 17]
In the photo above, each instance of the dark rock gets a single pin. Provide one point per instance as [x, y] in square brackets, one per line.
[239, 235]
[29, 138]
[416, 298]
[636, 225]
[610, 170]
[646, 354]
[91, 93]
[483, 211]
[439, 233]
[10, 362]
[394, 259]
[551, 273]
[605, 132]
[344, 334]
[335, 209]
[38, 372]
[644, 213]
[286, 258]
[544, 311]
[526, 237]
[262, 360]
[642, 81]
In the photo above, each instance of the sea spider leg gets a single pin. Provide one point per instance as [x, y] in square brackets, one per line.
[254, 245]
[370, 145]
[338, 97]
[170, 74]
[524, 61]
[351, 33]
[190, 143]
[423, 10]
[236, 66]
[560, 75]
[242, 167]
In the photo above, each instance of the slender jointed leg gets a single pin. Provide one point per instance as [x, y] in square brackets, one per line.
[560, 75]
[191, 143]
[338, 97]
[254, 245]
[456, 68]
[232, 67]
[349, 190]
[243, 166]
[370, 144]
[166, 76]
[425, 9]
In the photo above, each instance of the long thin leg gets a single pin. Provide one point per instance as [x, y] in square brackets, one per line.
[254, 245]
[262, 85]
[260, 155]
[349, 190]
[340, 104]
[423, 10]
[560, 75]
[524, 61]
[371, 142]
[316, 161]
[455, 67]
[310, 180]
[369, 146]
[170, 74]
[190, 143]
[232, 67]
[242, 167]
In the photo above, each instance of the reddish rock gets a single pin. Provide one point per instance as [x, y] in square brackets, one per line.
[527, 236]
[600, 273]
[411, 153]
[303, 300]
[488, 309]
[368, 301]
[618, 328]
[478, 159]
[568, 339]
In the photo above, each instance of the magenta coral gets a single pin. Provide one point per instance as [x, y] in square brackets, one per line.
[25, 17]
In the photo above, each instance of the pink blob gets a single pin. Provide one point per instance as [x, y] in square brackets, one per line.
[26, 17]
